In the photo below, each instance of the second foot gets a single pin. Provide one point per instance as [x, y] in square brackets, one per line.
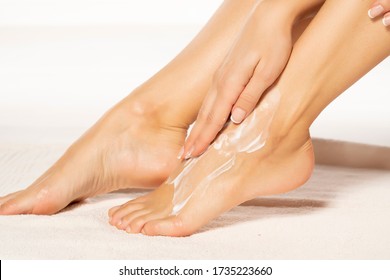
[201, 189]
[128, 147]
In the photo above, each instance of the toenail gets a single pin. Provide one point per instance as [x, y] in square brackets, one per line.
[119, 223]
[128, 229]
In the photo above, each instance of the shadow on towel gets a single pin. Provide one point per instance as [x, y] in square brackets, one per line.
[355, 155]
[326, 185]
[329, 183]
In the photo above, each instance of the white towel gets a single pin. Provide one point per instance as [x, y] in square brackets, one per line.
[340, 213]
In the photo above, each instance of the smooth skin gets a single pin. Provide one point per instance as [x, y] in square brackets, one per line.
[328, 58]
[249, 70]
[135, 144]
[289, 143]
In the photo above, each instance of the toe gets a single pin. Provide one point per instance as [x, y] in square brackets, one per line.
[112, 211]
[137, 223]
[6, 208]
[4, 199]
[25, 202]
[20, 202]
[33, 200]
[171, 226]
[122, 211]
[129, 219]
[14, 206]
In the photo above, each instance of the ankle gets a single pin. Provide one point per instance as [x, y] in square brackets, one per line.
[292, 117]
[288, 143]
[150, 104]
[141, 109]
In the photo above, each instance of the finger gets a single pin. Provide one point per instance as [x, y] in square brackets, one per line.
[196, 130]
[208, 124]
[386, 19]
[260, 81]
[266, 73]
[225, 90]
[379, 8]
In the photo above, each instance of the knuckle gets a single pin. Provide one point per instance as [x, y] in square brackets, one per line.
[214, 120]
[211, 118]
[225, 83]
[247, 100]
[202, 117]
[267, 76]
[202, 141]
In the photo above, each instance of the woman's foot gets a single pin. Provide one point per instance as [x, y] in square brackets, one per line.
[130, 146]
[244, 162]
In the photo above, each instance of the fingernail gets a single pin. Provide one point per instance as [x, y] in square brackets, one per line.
[386, 21]
[238, 115]
[189, 153]
[143, 231]
[376, 11]
[128, 229]
[180, 153]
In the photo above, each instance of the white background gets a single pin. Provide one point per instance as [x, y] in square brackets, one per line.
[64, 63]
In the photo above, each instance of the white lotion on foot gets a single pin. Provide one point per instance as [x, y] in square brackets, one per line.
[248, 137]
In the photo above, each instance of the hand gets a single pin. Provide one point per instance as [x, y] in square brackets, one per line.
[253, 64]
[379, 8]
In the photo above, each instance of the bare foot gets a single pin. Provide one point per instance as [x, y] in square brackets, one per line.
[130, 146]
[244, 162]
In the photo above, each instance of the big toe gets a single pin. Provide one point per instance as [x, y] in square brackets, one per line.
[18, 203]
[170, 226]
[4, 199]
[34, 200]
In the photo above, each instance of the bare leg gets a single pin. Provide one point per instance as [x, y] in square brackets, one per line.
[297, 31]
[136, 142]
[338, 47]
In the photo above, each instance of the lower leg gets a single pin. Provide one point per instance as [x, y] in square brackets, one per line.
[129, 215]
[136, 142]
[339, 46]
[177, 91]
